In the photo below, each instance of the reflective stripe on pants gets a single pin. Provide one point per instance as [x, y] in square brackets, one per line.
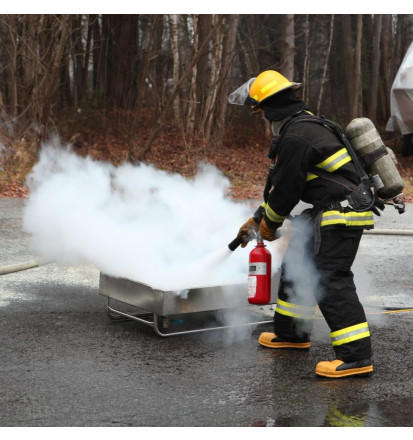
[350, 334]
[295, 310]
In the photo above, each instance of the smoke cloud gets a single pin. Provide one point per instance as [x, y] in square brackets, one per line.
[137, 222]
[300, 270]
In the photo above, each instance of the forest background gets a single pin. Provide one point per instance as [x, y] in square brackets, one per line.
[154, 87]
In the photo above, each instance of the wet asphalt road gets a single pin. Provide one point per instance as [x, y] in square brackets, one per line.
[65, 363]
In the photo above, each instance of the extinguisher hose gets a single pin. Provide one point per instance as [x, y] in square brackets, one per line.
[235, 243]
[239, 240]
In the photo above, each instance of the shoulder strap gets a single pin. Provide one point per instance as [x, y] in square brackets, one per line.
[340, 135]
[361, 197]
[332, 177]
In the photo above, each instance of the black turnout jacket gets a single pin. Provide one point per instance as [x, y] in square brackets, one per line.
[301, 146]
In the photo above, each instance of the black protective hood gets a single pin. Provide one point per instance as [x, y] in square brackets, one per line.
[281, 105]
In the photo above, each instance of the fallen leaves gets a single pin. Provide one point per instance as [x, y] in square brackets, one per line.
[243, 162]
[14, 190]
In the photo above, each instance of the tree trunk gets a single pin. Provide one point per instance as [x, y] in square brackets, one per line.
[348, 61]
[375, 69]
[175, 91]
[86, 58]
[11, 71]
[145, 65]
[324, 77]
[192, 104]
[205, 24]
[288, 47]
[98, 63]
[224, 88]
[355, 108]
[214, 72]
[409, 28]
[306, 64]
[175, 57]
[121, 59]
[76, 51]
[385, 60]
[54, 70]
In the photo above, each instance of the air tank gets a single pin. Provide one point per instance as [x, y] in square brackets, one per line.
[367, 143]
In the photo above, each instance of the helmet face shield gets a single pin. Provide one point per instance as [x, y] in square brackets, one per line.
[241, 95]
[257, 90]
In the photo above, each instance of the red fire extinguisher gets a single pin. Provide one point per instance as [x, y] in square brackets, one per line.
[259, 274]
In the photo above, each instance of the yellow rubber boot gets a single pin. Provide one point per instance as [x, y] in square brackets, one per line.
[338, 368]
[271, 340]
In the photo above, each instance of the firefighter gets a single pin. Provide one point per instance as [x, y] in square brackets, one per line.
[330, 243]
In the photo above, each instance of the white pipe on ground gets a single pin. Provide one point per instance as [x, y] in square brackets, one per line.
[389, 231]
[22, 266]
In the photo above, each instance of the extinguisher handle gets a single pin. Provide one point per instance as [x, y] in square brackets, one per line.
[235, 243]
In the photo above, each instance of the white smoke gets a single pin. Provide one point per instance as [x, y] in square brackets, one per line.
[300, 270]
[136, 222]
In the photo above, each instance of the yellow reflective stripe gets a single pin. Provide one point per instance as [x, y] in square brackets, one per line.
[333, 218]
[273, 216]
[332, 163]
[311, 176]
[347, 218]
[335, 161]
[268, 86]
[350, 334]
[295, 310]
[359, 218]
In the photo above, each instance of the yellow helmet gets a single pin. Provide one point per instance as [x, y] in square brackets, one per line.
[267, 84]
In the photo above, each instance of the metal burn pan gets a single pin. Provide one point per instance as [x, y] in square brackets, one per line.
[163, 309]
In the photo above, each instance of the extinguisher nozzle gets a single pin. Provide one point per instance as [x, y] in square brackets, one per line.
[235, 243]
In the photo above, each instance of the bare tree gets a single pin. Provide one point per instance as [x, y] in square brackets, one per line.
[288, 47]
[375, 72]
[306, 63]
[385, 68]
[348, 61]
[177, 87]
[176, 65]
[213, 80]
[324, 77]
[355, 108]
[192, 96]
[228, 54]
[136, 64]
[34, 47]
[409, 26]
[11, 51]
[53, 72]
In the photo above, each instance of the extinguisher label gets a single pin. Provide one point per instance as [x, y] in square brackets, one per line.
[252, 286]
[257, 269]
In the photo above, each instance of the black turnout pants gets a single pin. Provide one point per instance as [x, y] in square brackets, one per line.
[326, 279]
